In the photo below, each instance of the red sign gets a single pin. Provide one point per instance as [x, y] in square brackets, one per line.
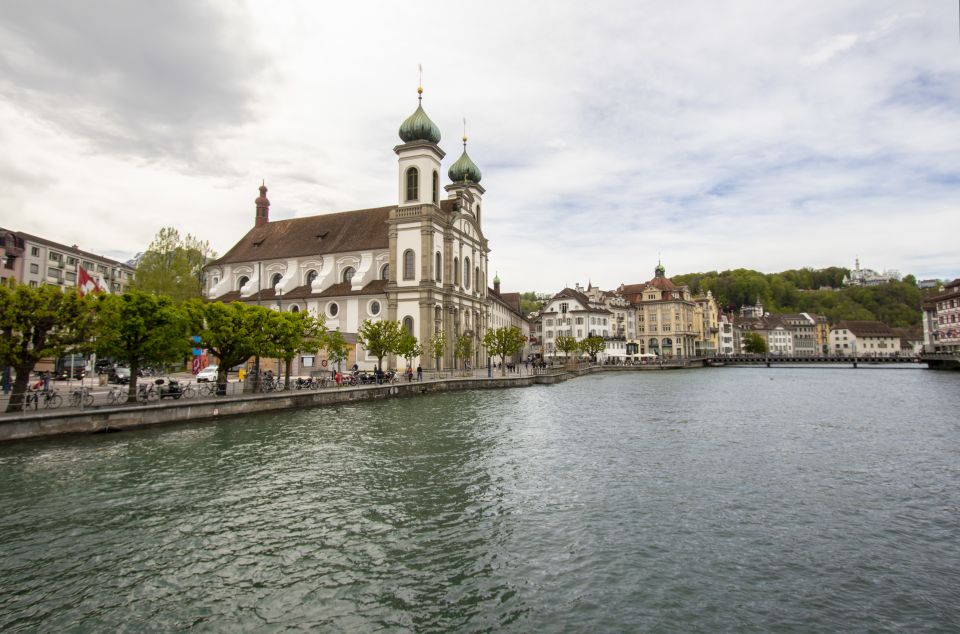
[195, 365]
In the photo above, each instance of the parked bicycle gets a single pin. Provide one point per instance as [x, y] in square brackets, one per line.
[80, 395]
[117, 395]
[48, 398]
[147, 393]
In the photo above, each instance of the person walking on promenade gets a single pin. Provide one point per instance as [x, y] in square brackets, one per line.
[419, 372]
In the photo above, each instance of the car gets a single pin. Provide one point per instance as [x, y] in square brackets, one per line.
[119, 375]
[209, 373]
[103, 366]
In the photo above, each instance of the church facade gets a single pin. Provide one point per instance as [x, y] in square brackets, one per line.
[422, 261]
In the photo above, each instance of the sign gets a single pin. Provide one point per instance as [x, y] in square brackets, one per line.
[195, 365]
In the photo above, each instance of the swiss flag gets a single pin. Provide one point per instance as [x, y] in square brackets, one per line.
[86, 284]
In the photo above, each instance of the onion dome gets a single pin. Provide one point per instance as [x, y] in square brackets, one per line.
[418, 126]
[496, 278]
[464, 169]
[660, 271]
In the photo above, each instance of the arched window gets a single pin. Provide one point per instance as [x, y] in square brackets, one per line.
[409, 265]
[348, 273]
[456, 271]
[476, 278]
[242, 282]
[385, 273]
[294, 309]
[653, 345]
[466, 273]
[436, 188]
[478, 213]
[275, 279]
[408, 325]
[438, 267]
[413, 184]
[311, 275]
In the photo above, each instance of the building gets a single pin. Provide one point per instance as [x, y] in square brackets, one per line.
[726, 344]
[35, 261]
[864, 339]
[666, 322]
[505, 312]
[804, 330]
[944, 312]
[707, 320]
[869, 277]
[573, 314]
[421, 261]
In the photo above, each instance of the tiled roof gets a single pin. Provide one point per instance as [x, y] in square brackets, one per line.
[374, 287]
[74, 250]
[359, 230]
[866, 328]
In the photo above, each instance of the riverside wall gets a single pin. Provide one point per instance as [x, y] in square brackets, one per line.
[108, 419]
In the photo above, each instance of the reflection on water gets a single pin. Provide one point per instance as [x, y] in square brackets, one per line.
[725, 499]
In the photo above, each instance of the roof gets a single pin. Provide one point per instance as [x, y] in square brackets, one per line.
[343, 289]
[866, 328]
[359, 230]
[72, 249]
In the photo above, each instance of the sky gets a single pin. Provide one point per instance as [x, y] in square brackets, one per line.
[710, 135]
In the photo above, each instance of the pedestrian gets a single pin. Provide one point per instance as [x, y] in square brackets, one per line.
[46, 381]
[409, 374]
[6, 380]
[419, 372]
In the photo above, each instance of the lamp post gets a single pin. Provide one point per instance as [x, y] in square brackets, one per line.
[280, 310]
[256, 360]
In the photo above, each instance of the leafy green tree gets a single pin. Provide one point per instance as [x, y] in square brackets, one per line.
[380, 338]
[336, 347]
[463, 348]
[504, 342]
[291, 333]
[138, 328]
[437, 346]
[593, 346]
[754, 343]
[233, 332]
[567, 344]
[529, 302]
[408, 347]
[36, 323]
[173, 266]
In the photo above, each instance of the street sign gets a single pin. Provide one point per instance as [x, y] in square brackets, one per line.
[195, 365]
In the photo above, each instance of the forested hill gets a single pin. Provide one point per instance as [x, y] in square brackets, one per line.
[896, 304]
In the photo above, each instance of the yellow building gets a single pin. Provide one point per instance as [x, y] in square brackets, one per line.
[666, 316]
[708, 326]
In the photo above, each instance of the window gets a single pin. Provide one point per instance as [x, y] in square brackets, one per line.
[101, 269]
[408, 265]
[34, 268]
[436, 188]
[333, 309]
[563, 307]
[294, 309]
[70, 275]
[413, 184]
[373, 308]
[579, 321]
[34, 251]
[466, 273]
[242, 282]
[88, 265]
[408, 325]
[385, 273]
[72, 261]
[275, 279]
[348, 274]
[456, 271]
[438, 267]
[476, 277]
[53, 272]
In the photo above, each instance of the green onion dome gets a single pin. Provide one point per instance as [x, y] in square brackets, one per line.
[464, 169]
[496, 278]
[419, 127]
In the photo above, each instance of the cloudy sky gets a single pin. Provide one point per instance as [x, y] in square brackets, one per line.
[766, 135]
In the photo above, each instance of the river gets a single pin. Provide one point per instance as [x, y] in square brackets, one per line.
[728, 499]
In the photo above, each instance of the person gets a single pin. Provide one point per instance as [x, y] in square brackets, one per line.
[379, 375]
[46, 381]
[419, 372]
[6, 380]
[409, 374]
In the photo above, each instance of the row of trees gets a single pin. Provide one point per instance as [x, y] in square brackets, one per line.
[570, 346]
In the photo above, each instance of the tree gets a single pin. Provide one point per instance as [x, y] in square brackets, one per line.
[138, 328]
[233, 332]
[290, 333]
[754, 343]
[173, 266]
[36, 323]
[380, 338]
[336, 347]
[437, 346]
[567, 344]
[463, 348]
[408, 347]
[593, 346]
[504, 342]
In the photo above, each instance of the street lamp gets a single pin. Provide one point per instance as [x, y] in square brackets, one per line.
[279, 309]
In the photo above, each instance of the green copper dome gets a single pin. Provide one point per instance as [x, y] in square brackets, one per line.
[660, 271]
[419, 127]
[464, 169]
[496, 278]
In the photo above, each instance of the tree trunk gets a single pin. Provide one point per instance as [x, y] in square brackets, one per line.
[132, 387]
[287, 366]
[221, 379]
[19, 388]
[503, 365]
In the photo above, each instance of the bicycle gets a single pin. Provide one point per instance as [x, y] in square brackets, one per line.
[207, 389]
[147, 393]
[188, 391]
[81, 395]
[117, 395]
[51, 400]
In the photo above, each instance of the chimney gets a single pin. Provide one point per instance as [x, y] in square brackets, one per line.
[263, 207]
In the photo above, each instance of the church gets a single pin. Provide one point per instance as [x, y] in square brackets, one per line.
[422, 261]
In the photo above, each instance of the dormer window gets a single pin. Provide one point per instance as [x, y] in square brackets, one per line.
[348, 274]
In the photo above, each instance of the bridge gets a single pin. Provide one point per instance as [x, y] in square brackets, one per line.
[771, 360]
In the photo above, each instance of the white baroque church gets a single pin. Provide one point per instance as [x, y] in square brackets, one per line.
[422, 261]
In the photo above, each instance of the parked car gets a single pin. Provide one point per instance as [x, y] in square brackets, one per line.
[103, 366]
[209, 373]
[119, 375]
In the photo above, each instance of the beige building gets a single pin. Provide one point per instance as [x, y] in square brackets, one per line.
[864, 339]
[707, 320]
[666, 316]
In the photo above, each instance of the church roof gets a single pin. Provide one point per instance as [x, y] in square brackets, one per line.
[305, 291]
[359, 230]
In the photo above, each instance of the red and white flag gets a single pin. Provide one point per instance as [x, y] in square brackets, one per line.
[85, 283]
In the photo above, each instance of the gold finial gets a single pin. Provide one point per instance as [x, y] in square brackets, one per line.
[420, 83]
[464, 132]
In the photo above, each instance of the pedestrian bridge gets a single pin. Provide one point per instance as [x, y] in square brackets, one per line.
[771, 360]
